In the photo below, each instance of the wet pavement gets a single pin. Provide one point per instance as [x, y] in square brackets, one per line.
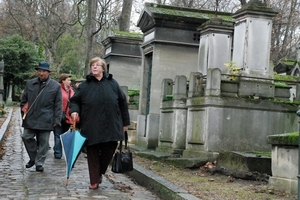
[17, 182]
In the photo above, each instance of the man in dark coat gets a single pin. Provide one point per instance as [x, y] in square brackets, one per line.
[104, 116]
[43, 102]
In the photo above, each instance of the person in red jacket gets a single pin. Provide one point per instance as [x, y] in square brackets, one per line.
[67, 92]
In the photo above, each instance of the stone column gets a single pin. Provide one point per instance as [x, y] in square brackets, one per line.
[172, 124]
[166, 88]
[196, 85]
[215, 44]
[252, 39]
[9, 98]
[1, 80]
[213, 82]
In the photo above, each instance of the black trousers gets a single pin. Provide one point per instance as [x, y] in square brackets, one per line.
[99, 157]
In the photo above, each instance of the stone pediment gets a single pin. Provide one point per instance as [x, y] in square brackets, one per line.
[288, 67]
[146, 22]
[155, 15]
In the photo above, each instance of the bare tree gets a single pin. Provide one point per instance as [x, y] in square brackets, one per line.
[101, 19]
[41, 21]
[44, 21]
[124, 21]
[285, 36]
[223, 5]
[91, 31]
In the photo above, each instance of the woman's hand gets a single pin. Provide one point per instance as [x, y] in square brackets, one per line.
[125, 128]
[74, 115]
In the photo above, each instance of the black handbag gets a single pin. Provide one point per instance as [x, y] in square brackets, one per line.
[122, 160]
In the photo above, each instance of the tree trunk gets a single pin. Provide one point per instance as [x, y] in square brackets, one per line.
[90, 28]
[124, 19]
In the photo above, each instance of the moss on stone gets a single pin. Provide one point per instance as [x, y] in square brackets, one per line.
[133, 92]
[231, 160]
[262, 153]
[278, 77]
[289, 62]
[197, 100]
[187, 12]
[128, 34]
[284, 139]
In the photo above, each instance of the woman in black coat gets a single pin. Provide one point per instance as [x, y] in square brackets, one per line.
[103, 110]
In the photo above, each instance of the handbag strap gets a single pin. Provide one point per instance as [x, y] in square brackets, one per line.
[38, 96]
[126, 142]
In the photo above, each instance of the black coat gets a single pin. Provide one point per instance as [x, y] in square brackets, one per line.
[103, 109]
[47, 110]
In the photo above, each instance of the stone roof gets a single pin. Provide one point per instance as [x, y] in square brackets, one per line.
[128, 34]
[173, 16]
[124, 37]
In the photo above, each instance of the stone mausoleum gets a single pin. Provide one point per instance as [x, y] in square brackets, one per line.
[206, 83]
[170, 47]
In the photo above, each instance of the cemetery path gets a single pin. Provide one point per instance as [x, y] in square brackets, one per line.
[205, 186]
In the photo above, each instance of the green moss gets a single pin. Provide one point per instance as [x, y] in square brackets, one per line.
[280, 84]
[169, 97]
[279, 101]
[231, 160]
[283, 78]
[288, 61]
[284, 139]
[292, 63]
[128, 34]
[133, 92]
[174, 11]
[267, 154]
[197, 100]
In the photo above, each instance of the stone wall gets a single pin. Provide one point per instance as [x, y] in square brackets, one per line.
[201, 117]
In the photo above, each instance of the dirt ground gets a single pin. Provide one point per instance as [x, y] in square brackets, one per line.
[205, 186]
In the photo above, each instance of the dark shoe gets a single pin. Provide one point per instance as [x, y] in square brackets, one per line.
[39, 168]
[100, 180]
[30, 164]
[94, 186]
[57, 157]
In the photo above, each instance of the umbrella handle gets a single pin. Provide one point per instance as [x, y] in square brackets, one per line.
[74, 125]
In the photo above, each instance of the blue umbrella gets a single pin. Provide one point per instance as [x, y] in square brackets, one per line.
[72, 142]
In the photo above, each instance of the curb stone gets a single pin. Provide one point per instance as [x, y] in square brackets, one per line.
[5, 124]
[160, 186]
